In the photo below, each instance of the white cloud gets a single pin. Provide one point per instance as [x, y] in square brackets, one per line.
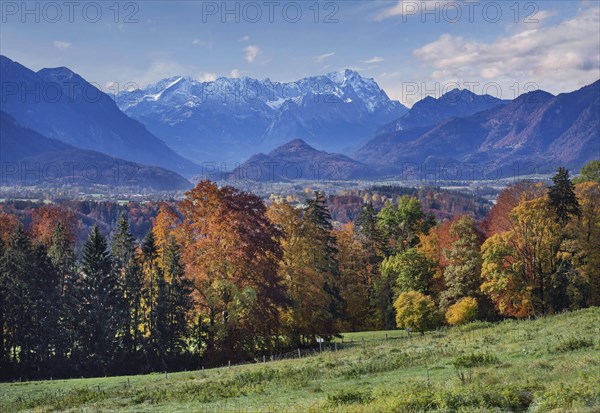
[411, 7]
[373, 60]
[235, 73]
[321, 58]
[198, 42]
[252, 52]
[207, 77]
[389, 75]
[561, 57]
[245, 38]
[59, 44]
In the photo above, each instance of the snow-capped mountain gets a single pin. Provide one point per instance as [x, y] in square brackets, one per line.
[230, 119]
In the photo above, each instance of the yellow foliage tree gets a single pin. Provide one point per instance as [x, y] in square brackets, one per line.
[415, 311]
[462, 312]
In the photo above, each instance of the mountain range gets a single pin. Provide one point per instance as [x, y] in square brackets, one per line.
[230, 119]
[28, 158]
[58, 103]
[535, 132]
[288, 131]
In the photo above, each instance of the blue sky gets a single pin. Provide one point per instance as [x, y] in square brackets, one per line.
[411, 48]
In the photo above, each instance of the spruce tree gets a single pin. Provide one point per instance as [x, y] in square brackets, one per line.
[179, 298]
[562, 197]
[62, 256]
[100, 303]
[151, 269]
[127, 266]
[324, 255]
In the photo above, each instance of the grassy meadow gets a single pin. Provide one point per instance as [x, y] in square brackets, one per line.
[550, 364]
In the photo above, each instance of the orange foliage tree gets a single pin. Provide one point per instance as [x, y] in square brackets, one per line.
[45, 219]
[231, 252]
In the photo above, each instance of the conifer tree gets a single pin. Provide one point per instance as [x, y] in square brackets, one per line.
[562, 197]
[62, 257]
[126, 264]
[318, 219]
[100, 303]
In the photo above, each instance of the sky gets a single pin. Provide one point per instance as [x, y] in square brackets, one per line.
[411, 48]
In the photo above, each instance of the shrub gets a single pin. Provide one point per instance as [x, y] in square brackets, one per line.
[572, 344]
[416, 311]
[350, 396]
[462, 312]
[464, 364]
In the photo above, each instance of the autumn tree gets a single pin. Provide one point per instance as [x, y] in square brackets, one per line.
[164, 228]
[462, 312]
[231, 252]
[355, 282]
[517, 264]
[8, 224]
[44, 220]
[499, 217]
[416, 311]
[580, 252]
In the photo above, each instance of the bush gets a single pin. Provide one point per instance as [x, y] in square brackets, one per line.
[416, 311]
[572, 344]
[462, 312]
[464, 364]
[350, 396]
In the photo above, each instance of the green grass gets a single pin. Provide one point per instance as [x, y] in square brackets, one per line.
[546, 365]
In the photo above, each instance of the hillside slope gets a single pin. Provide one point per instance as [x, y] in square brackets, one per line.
[549, 364]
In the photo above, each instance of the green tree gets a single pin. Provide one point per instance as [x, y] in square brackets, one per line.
[589, 173]
[126, 263]
[173, 303]
[372, 241]
[562, 197]
[30, 287]
[62, 256]
[401, 225]
[100, 304]
[462, 276]
[410, 271]
[324, 256]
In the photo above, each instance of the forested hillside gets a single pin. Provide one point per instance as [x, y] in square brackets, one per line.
[221, 276]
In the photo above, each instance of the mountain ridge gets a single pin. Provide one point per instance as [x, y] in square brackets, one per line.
[28, 158]
[66, 107]
[229, 119]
